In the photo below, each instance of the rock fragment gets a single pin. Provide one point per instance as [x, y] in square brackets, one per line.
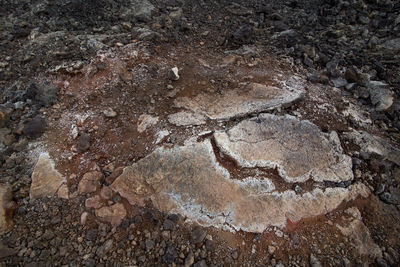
[46, 180]
[372, 145]
[161, 135]
[7, 207]
[83, 142]
[381, 96]
[314, 262]
[238, 102]
[94, 202]
[173, 74]
[35, 128]
[142, 9]
[298, 149]
[184, 118]
[354, 228]
[189, 181]
[146, 121]
[109, 113]
[63, 192]
[113, 214]
[90, 182]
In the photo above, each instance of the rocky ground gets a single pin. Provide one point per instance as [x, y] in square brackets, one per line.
[199, 133]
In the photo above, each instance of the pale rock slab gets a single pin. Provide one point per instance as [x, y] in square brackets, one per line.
[46, 180]
[239, 102]
[298, 149]
[184, 118]
[188, 180]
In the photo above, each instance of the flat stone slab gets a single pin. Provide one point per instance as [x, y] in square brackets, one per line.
[189, 180]
[298, 149]
[184, 118]
[247, 99]
[46, 180]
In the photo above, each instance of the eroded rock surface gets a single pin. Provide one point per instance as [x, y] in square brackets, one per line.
[46, 180]
[298, 149]
[239, 102]
[189, 180]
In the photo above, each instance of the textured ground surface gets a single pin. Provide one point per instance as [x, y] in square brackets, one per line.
[199, 133]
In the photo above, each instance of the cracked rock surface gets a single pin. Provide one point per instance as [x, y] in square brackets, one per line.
[298, 149]
[188, 180]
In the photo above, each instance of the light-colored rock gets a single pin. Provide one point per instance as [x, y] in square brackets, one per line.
[46, 180]
[84, 217]
[371, 145]
[90, 182]
[94, 202]
[106, 193]
[184, 118]
[380, 94]
[109, 113]
[271, 249]
[298, 149]
[173, 74]
[248, 98]
[146, 121]
[7, 207]
[113, 214]
[161, 135]
[188, 180]
[355, 229]
[314, 262]
[63, 192]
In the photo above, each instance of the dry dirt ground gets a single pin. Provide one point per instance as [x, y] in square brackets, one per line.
[199, 133]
